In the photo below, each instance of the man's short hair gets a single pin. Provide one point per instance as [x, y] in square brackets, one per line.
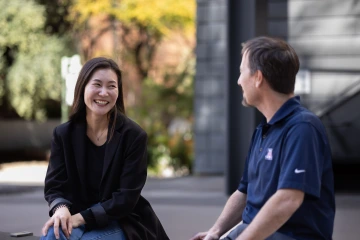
[277, 61]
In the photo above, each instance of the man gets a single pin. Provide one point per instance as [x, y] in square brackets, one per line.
[286, 191]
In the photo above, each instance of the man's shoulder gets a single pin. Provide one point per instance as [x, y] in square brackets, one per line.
[303, 115]
[303, 121]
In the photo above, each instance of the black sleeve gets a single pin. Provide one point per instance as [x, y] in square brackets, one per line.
[90, 222]
[56, 176]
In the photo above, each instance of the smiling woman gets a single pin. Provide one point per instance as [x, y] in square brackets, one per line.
[98, 165]
[101, 93]
[98, 95]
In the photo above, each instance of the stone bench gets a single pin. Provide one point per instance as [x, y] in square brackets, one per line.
[6, 236]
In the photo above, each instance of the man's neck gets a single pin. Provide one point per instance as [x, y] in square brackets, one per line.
[271, 103]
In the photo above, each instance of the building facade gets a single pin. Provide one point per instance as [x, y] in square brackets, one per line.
[326, 36]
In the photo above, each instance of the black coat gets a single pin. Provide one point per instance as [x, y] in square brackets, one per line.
[123, 177]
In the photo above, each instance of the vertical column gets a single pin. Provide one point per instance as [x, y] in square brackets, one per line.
[246, 19]
[211, 88]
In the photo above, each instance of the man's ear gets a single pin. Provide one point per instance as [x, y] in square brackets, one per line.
[259, 78]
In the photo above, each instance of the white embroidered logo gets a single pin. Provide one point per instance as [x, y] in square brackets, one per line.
[299, 170]
[269, 155]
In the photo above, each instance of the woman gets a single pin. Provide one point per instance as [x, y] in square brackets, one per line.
[98, 166]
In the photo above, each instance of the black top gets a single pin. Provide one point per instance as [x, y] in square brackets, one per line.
[124, 175]
[95, 165]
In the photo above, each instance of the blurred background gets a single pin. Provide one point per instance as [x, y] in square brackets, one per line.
[43, 44]
[180, 62]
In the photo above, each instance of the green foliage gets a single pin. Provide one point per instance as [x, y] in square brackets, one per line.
[181, 150]
[158, 17]
[162, 103]
[57, 14]
[31, 50]
[29, 59]
[149, 20]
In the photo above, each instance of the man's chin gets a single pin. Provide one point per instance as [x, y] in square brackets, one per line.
[245, 103]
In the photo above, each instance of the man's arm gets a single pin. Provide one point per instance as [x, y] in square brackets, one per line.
[276, 211]
[231, 214]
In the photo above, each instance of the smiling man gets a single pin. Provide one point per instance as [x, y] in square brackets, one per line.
[286, 191]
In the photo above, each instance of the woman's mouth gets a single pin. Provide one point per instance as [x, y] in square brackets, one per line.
[101, 102]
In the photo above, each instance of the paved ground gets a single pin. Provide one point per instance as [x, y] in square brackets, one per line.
[184, 205]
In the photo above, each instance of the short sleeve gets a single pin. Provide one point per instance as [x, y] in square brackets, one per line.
[243, 185]
[302, 159]
[244, 179]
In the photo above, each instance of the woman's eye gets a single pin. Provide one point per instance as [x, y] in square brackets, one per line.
[96, 84]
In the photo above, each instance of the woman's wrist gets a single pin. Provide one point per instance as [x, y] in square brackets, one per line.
[60, 205]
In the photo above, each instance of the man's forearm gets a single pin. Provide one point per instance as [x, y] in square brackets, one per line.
[277, 210]
[231, 214]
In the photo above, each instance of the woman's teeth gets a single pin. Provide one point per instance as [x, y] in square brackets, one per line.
[101, 102]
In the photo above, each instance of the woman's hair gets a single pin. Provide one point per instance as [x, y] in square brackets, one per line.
[78, 110]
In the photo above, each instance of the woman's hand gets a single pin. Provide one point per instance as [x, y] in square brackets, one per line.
[61, 217]
[204, 236]
[77, 220]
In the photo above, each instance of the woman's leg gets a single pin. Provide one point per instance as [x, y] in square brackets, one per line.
[111, 232]
[76, 234]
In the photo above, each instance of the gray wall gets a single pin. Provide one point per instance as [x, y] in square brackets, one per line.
[326, 36]
[324, 33]
[210, 87]
[21, 134]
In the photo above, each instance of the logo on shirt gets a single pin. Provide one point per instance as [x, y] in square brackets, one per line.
[269, 155]
[297, 171]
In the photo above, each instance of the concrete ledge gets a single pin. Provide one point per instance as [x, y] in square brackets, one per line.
[6, 236]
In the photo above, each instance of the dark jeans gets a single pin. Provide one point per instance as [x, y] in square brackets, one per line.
[111, 232]
[239, 229]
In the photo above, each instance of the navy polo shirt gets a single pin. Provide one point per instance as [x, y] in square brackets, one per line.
[292, 151]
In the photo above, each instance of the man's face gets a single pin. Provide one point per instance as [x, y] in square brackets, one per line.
[247, 82]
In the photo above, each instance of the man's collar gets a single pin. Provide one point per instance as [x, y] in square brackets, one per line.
[288, 107]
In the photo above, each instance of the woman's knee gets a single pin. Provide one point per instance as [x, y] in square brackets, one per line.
[111, 232]
[51, 234]
[75, 234]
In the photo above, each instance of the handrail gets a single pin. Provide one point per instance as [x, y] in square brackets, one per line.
[336, 102]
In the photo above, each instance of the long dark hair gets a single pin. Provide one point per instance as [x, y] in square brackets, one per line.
[78, 110]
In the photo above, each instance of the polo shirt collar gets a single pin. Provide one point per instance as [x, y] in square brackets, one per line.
[288, 107]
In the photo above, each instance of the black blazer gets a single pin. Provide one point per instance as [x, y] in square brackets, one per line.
[123, 177]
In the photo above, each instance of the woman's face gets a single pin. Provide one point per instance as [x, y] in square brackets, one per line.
[101, 92]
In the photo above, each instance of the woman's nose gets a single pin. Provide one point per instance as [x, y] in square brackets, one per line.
[103, 92]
